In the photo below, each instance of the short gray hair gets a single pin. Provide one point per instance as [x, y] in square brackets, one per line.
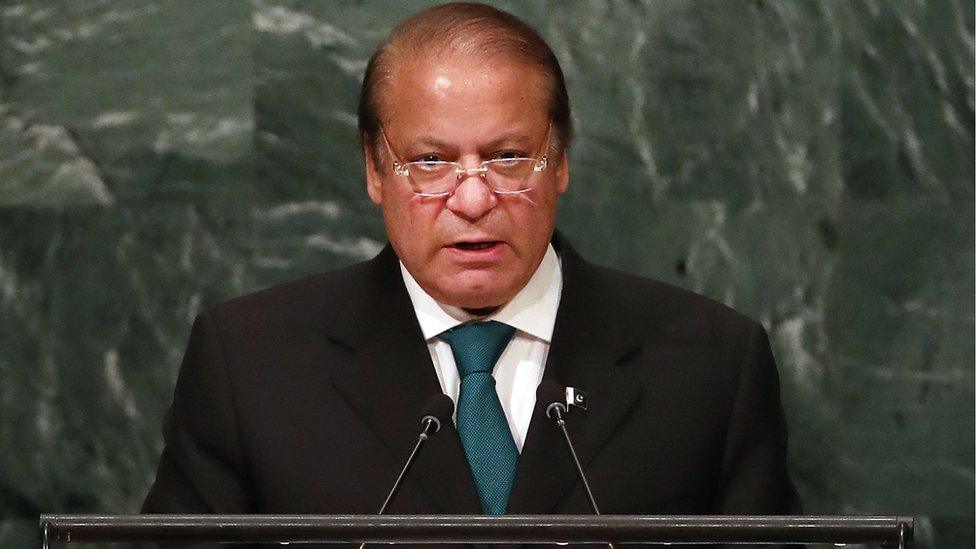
[464, 27]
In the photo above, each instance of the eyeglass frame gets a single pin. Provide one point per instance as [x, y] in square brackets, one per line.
[461, 172]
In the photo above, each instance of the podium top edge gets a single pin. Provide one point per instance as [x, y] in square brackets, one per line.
[863, 520]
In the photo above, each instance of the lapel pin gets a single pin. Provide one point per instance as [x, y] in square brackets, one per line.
[576, 398]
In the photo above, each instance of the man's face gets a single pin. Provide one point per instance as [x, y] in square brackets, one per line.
[474, 249]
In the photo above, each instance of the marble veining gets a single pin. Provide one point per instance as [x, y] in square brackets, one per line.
[809, 163]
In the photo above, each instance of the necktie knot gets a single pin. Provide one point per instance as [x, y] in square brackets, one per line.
[477, 346]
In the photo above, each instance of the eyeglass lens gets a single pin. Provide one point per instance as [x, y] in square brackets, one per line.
[504, 174]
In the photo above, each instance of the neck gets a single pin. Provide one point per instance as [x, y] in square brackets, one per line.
[481, 311]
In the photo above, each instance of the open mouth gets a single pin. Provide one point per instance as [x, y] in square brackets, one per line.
[475, 246]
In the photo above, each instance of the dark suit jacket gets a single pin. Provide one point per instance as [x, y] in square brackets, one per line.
[305, 398]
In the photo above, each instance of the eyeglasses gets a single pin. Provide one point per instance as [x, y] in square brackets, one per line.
[439, 178]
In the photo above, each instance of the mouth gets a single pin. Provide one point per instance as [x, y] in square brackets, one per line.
[476, 246]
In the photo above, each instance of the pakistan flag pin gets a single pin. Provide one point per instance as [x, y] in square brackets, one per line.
[577, 398]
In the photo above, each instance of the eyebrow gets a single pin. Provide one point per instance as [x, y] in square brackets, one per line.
[431, 141]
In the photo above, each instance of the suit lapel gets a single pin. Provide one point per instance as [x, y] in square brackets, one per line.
[390, 380]
[584, 353]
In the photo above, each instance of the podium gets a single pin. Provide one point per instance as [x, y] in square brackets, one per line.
[889, 531]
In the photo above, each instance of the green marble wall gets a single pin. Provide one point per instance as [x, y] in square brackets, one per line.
[810, 163]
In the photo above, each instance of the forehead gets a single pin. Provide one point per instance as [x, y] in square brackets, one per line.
[464, 97]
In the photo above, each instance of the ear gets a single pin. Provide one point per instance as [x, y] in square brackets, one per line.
[374, 182]
[562, 172]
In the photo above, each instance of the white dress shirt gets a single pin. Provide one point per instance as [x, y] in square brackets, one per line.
[518, 372]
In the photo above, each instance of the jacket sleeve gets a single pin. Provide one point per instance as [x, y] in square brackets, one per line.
[201, 469]
[753, 478]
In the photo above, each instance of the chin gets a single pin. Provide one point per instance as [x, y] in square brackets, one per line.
[475, 300]
[473, 296]
[476, 288]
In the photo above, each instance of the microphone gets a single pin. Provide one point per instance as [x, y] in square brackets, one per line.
[553, 396]
[437, 411]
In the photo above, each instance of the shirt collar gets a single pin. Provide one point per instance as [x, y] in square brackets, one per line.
[532, 310]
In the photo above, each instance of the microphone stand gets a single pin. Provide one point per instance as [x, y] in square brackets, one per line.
[430, 425]
[555, 412]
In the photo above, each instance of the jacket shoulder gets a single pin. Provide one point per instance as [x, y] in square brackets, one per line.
[319, 300]
[664, 311]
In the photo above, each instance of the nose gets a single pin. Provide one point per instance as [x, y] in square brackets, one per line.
[472, 197]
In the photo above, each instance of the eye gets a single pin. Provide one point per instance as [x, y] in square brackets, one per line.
[507, 159]
[428, 158]
[428, 163]
[508, 154]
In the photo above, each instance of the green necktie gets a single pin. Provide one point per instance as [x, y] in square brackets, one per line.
[481, 422]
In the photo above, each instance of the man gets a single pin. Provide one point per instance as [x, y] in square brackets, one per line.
[305, 398]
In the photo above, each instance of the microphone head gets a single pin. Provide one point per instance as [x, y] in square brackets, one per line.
[438, 410]
[552, 396]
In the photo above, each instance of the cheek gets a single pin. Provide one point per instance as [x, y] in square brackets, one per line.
[409, 222]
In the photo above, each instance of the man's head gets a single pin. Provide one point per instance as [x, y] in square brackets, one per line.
[466, 83]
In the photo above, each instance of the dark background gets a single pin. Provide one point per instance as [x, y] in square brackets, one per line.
[809, 163]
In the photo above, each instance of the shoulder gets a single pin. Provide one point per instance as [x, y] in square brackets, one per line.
[329, 302]
[648, 309]
[667, 305]
[294, 296]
